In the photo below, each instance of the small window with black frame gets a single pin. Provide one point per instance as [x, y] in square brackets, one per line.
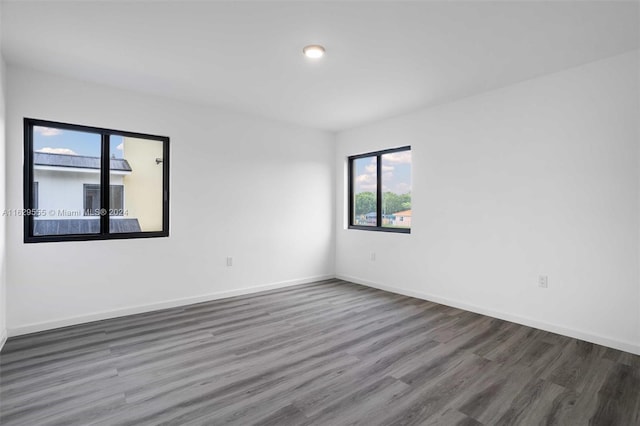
[67, 168]
[380, 190]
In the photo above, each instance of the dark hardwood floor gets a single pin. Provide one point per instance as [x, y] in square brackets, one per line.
[330, 353]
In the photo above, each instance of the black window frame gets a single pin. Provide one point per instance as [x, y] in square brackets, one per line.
[105, 161]
[351, 210]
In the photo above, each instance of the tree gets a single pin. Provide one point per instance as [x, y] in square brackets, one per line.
[405, 202]
[393, 203]
[365, 203]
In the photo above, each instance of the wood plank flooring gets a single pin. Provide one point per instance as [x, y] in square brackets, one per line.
[329, 353]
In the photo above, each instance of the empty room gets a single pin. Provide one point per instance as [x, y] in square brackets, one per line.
[208, 213]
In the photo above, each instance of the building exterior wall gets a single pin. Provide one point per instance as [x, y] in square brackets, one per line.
[143, 187]
[64, 190]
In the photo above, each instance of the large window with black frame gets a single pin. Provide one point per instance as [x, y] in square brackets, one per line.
[89, 183]
[380, 190]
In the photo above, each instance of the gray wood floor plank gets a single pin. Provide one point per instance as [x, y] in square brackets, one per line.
[451, 417]
[532, 404]
[352, 407]
[289, 415]
[432, 395]
[327, 353]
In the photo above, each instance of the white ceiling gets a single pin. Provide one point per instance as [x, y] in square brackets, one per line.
[383, 58]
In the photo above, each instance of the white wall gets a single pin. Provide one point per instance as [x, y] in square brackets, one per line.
[3, 293]
[257, 190]
[539, 178]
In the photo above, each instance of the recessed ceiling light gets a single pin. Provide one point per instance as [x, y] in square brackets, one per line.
[314, 51]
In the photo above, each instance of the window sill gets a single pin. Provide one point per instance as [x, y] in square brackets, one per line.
[381, 229]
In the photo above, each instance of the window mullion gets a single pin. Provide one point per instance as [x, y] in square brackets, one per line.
[379, 191]
[105, 165]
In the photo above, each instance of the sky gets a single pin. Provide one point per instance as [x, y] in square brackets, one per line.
[396, 173]
[47, 139]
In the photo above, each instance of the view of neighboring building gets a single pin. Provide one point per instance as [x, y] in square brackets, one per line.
[143, 186]
[397, 220]
[400, 219]
[67, 190]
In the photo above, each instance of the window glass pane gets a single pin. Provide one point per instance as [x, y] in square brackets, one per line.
[116, 200]
[91, 200]
[396, 189]
[364, 189]
[136, 171]
[64, 161]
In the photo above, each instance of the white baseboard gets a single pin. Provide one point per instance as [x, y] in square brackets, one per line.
[530, 322]
[570, 332]
[132, 310]
[3, 338]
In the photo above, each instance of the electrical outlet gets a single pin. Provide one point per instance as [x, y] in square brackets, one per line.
[229, 261]
[543, 281]
[373, 256]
